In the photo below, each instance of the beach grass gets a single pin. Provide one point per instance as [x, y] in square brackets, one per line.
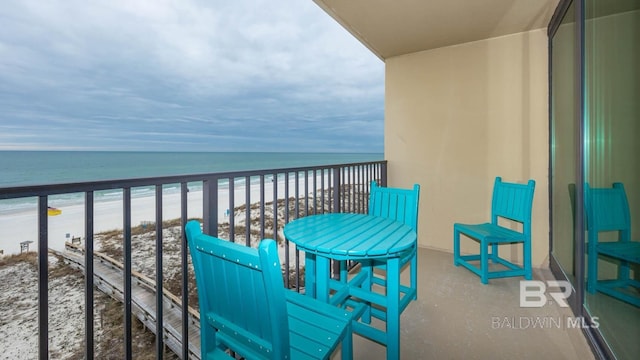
[29, 257]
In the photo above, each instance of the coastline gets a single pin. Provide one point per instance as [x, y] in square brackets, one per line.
[22, 225]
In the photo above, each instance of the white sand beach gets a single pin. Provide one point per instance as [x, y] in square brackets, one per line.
[23, 226]
[19, 312]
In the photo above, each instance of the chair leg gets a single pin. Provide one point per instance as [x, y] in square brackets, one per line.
[623, 270]
[393, 308]
[456, 247]
[527, 260]
[484, 262]
[592, 267]
[347, 345]
[207, 337]
[494, 252]
[414, 274]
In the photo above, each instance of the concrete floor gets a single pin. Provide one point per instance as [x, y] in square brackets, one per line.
[456, 317]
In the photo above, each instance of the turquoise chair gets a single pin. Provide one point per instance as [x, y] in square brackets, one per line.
[400, 205]
[245, 308]
[510, 201]
[608, 210]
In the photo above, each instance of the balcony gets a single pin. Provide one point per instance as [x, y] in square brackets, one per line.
[455, 316]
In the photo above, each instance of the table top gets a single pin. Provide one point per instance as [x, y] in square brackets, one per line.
[344, 236]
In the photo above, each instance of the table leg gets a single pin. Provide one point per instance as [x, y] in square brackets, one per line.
[310, 274]
[367, 268]
[322, 278]
[393, 308]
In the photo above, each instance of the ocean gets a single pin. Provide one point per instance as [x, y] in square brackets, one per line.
[21, 168]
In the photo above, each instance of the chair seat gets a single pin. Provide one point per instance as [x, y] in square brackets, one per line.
[490, 232]
[315, 329]
[624, 250]
[314, 326]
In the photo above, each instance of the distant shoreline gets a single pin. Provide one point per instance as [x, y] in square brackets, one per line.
[24, 168]
[108, 215]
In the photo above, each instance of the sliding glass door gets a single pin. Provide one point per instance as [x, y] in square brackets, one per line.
[594, 143]
[612, 155]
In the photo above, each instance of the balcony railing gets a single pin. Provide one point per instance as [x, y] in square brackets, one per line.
[271, 198]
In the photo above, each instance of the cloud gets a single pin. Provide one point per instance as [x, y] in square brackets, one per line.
[204, 75]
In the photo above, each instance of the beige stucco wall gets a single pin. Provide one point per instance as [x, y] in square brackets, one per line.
[457, 117]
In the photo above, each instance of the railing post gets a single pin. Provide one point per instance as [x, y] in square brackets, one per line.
[337, 190]
[210, 203]
[274, 184]
[231, 208]
[247, 195]
[383, 175]
[88, 277]
[43, 279]
[184, 194]
[315, 191]
[159, 279]
[126, 261]
[262, 200]
[335, 266]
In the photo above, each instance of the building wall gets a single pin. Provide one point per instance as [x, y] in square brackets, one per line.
[457, 117]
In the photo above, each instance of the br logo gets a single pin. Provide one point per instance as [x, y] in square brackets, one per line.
[533, 293]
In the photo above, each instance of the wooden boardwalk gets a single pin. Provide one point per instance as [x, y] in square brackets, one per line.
[108, 278]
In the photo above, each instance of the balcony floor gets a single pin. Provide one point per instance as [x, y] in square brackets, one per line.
[457, 317]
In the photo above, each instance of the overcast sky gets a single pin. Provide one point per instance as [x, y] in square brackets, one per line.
[185, 75]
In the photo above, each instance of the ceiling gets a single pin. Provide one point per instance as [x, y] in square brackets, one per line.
[395, 27]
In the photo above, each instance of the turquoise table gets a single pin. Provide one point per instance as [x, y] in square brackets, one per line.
[355, 237]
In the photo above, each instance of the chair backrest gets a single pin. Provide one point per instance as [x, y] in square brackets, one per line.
[241, 296]
[514, 202]
[398, 204]
[607, 209]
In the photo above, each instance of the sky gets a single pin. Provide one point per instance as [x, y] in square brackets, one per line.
[185, 75]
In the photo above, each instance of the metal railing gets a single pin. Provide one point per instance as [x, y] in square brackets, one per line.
[258, 204]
